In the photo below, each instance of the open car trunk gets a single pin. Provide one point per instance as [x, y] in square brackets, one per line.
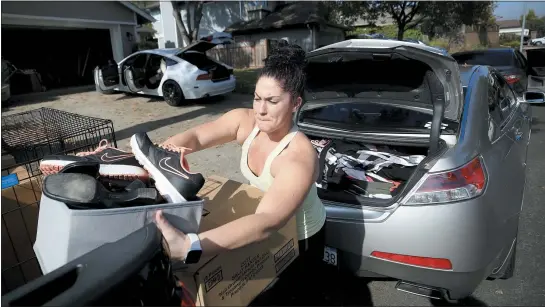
[196, 55]
[360, 173]
[376, 117]
[536, 63]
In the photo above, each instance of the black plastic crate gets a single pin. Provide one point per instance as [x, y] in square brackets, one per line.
[26, 138]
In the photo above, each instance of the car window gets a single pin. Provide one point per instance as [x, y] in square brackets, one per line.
[500, 99]
[368, 117]
[522, 59]
[138, 61]
[484, 58]
[519, 60]
[509, 97]
[493, 100]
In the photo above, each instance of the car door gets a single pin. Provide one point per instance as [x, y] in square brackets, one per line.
[134, 72]
[522, 66]
[106, 77]
[515, 132]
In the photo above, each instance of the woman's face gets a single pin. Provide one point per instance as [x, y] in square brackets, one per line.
[273, 107]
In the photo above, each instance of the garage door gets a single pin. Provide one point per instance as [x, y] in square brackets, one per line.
[63, 57]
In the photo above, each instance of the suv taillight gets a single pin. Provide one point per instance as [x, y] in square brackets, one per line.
[511, 78]
[204, 77]
[466, 182]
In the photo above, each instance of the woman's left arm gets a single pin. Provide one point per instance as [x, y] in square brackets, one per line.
[288, 191]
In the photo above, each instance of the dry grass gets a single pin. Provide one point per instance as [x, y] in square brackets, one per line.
[246, 80]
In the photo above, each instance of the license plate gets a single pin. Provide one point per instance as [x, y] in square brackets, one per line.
[330, 255]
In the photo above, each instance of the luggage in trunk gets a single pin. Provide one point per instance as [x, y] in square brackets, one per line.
[356, 172]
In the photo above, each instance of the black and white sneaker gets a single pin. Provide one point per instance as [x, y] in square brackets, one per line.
[114, 163]
[169, 169]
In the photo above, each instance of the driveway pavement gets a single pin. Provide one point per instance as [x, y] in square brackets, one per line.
[132, 114]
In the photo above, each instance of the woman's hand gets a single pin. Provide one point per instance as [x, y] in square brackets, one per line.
[177, 242]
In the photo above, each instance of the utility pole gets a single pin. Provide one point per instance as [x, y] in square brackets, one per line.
[523, 25]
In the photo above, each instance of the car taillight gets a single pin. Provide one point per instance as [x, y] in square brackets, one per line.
[511, 78]
[204, 77]
[464, 183]
[427, 262]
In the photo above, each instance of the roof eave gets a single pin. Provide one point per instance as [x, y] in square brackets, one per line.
[138, 11]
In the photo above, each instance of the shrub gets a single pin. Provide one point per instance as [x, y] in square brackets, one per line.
[512, 44]
[389, 31]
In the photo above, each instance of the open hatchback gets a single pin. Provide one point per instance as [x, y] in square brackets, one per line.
[377, 111]
[536, 64]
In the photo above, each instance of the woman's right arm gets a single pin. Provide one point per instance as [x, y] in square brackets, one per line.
[220, 131]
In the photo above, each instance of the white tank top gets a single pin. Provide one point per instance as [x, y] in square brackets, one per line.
[311, 215]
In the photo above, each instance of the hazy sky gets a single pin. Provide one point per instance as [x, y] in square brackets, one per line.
[513, 9]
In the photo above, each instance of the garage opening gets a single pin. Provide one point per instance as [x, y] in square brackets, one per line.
[63, 57]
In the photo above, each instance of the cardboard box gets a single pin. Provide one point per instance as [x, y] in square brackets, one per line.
[19, 225]
[237, 277]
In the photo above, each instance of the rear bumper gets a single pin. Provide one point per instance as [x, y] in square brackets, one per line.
[455, 285]
[461, 232]
[203, 89]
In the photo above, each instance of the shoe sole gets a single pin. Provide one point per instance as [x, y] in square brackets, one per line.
[122, 172]
[162, 184]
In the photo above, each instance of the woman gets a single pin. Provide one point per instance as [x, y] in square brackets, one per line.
[276, 158]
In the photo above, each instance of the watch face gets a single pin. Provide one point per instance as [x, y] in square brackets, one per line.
[193, 256]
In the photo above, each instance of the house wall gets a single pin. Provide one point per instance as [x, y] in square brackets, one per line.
[170, 35]
[514, 31]
[216, 17]
[301, 37]
[158, 26]
[329, 35]
[91, 10]
[127, 45]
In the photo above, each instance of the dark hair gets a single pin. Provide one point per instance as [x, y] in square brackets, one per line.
[286, 63]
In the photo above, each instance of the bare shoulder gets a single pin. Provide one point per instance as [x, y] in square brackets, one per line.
[300, 154]
[301, 148]
[246, 120]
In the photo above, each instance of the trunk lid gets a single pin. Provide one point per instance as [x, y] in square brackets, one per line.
[536, 60]
[380, 76]
[209, 42]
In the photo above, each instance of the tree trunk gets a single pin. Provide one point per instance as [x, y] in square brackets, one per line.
[400, 32]
[179, 23]
[197, 20]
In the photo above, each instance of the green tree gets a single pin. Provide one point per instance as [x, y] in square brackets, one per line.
[447, 15]
[534, 23]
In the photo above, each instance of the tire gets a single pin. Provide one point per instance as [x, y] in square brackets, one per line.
[172, 93]
[538, 43]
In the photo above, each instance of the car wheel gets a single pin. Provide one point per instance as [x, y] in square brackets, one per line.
[538, 43]
[172, 93]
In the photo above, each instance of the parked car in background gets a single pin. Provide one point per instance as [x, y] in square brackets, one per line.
[536, 60]
[173, 73]
[446, 222]
[510, 62]
[538, 41]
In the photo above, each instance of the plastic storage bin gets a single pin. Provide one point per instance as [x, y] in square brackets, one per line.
[65, 234]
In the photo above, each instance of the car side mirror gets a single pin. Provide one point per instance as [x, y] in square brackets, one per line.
[534, 97]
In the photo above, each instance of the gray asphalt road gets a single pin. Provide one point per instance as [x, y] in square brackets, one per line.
[132, 114]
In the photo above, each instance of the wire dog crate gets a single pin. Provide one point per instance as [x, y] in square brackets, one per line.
[26, 138]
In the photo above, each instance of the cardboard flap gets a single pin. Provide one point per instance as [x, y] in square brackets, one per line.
[226, 200]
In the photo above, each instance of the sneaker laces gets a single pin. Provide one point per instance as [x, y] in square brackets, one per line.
[173, 148]
[177, 149]
[103, 144]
